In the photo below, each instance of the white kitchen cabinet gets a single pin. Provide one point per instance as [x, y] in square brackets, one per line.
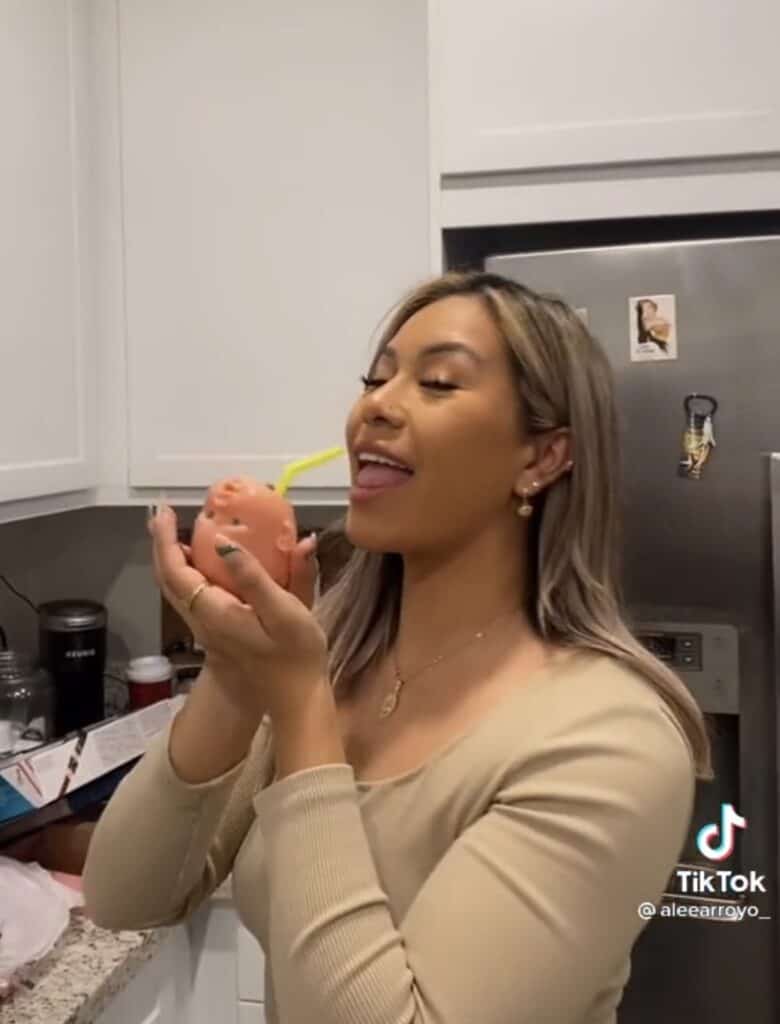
[251, 967]
[275, 205]
[47, 403]
[227, 965]
[213, 985]
[157, 994]
[537, 85]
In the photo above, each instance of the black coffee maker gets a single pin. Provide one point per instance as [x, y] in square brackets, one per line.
[72, 638]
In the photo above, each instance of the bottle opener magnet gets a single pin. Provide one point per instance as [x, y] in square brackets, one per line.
[698, 438]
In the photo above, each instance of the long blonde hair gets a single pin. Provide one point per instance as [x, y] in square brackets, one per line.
[563, 379]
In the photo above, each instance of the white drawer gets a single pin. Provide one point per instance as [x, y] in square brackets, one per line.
[251, 1013]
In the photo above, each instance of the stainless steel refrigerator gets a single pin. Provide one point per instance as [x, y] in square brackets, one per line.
[692, 330]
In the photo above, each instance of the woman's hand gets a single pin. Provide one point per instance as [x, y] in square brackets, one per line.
[270, 636]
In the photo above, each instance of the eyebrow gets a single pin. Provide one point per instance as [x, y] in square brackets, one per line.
[436, 348]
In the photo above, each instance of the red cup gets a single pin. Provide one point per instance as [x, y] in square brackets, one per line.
[149, 680]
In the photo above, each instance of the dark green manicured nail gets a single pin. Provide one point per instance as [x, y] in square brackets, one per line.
[226, 549]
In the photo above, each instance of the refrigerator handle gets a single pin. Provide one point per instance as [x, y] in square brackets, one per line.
[705, 908]
[774, 525]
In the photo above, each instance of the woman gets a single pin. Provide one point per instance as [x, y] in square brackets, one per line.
[651, 328]
[444, 794]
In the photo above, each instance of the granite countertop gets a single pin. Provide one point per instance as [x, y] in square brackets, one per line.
[87, 968]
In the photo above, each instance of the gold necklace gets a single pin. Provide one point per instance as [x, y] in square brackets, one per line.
[390, 702]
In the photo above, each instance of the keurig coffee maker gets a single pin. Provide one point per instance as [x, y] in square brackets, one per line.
[72, 636]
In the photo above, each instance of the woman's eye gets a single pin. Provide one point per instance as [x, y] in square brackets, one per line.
[438, 385]
[208, 514]
[236, 522]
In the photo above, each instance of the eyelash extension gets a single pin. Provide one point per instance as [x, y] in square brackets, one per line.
[441, 385]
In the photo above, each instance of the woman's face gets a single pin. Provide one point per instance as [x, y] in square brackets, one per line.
[453, 417]
[649, 309]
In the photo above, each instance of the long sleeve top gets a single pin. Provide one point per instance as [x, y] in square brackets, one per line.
[498, 882]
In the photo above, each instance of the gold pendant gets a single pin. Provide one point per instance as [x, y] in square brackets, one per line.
[390, 703]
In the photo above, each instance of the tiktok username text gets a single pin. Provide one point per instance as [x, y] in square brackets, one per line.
[722, 911]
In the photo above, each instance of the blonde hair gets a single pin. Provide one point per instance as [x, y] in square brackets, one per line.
[563, 379]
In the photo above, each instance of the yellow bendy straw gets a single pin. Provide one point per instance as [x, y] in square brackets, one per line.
[292, 469]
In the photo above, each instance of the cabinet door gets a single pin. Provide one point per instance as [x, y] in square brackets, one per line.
[47, 436]
[157, 993]
[251, 967]
[276, 204]
[544, 85]
[213, 988]
[138, 1003]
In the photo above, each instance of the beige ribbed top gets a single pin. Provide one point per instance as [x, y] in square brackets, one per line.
[497, 883]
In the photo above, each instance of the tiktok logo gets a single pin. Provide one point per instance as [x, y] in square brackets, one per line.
[706, 838]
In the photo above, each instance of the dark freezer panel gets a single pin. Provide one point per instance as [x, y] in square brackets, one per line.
[702, 982]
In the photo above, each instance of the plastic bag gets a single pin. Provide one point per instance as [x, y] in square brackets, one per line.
[34, 912]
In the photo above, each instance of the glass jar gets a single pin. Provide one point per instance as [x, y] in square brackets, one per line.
[26, 703]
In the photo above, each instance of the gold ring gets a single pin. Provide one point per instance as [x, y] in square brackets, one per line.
[194, 596]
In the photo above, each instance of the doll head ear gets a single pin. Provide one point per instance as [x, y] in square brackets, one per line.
[287, 537]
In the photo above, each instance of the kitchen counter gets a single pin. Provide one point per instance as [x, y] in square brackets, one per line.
[78, 979]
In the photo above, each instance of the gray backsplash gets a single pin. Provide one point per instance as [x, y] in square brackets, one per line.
[97, 553]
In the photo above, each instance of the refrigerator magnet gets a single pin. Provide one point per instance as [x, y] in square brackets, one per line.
[652, 328]
[699, 435]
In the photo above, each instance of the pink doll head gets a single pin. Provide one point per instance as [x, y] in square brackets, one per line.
[254, 516]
